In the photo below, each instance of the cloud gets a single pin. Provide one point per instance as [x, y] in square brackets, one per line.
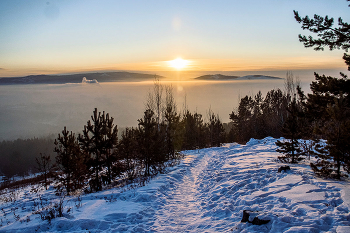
[89, 81]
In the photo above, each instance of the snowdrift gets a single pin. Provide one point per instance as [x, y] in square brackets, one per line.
[206, 192]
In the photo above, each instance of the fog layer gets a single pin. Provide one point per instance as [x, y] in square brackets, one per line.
[39, 110]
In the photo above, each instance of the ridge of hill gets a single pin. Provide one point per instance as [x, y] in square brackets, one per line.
[227, 77]
[216, 77]
[77, 78]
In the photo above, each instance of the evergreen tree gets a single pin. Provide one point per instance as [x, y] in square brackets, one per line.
[190, 136]
[147, 140]
[195, 133]
[328, 111]
[68, 159]
[259, 127]
[127, 150]
[91, 143]
[291, 131]
[334, 155]
[99, 141]
[274, 112]
[328, 104]
[242, 119]
[109, 141]
[216, 130]
[327, 35]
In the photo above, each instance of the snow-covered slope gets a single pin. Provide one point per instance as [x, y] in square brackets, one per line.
[206, 192]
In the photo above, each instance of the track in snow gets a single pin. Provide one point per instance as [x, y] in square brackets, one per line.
[180, 209]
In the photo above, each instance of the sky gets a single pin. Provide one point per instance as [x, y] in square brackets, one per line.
[63, 36]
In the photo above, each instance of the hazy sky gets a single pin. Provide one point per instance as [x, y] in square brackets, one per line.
[59, 36]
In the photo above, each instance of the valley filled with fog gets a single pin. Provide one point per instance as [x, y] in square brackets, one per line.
[43, 109]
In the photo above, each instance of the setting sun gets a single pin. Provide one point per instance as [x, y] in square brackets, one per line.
[178, 63]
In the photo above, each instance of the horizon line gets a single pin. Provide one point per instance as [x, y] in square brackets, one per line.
[48, 73]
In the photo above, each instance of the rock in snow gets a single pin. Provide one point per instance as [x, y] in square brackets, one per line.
[254, 218]
[206, 192]
[284, 168]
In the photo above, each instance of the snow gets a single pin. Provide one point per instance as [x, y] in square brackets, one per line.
[206, 192]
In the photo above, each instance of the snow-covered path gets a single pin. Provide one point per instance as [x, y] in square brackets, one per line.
[207, 192]
[182, 207]
[179, 209]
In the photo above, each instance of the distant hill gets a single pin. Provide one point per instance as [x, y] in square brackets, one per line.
[216, 77]
[78, 78]
[226, 77]
[256, 77]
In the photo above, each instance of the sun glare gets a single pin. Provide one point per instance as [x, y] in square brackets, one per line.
[178, 63]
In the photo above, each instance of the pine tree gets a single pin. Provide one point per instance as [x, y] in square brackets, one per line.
[292, 132]
[328, 104]
[242, 119]
[195, 132]
[216, 130]
[327, 35]
[67, 158]
[147, 139]
[328, 111]
[90, 142]
[99, 141]
[335, 154]
[274, 112]
[127, 150]
[190, 140]
[109, 141]
[259, 127]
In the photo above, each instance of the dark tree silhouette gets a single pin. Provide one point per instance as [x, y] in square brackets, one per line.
[109, 141]
[68, 158]
[195, 132]
[336, 153]
[258, 117]
[327, 34]
[127, 151]
[147, 139]
[99, 141]
[328, 104]
[18, 156]
[216, 130]
[241, 119]
[292, 132]
[44, 166]
[91, 143]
